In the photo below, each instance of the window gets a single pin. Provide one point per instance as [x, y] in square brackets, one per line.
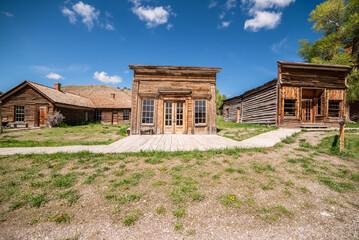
[98, 116]
[168, 114]
[334, 108]
[179, 114]
[200, 112]
[86, 116]
[227, 112]
[290, 107]
[126, 114]
[319, 106]
[148, 107]
[19, 113]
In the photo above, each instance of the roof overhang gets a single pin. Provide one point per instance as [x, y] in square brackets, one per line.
[174, 68]
[314, 66]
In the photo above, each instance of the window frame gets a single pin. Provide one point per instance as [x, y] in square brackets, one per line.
[86, 116]
[146, 114]
[98, 116]
[205, 112]
[338, 110]
[127, 116]
[292, 108]
[17, 113]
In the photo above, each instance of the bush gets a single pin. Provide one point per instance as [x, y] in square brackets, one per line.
[54, 119]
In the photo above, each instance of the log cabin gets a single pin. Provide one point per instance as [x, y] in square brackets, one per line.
[28, 105]
[303, 95]
[173, 100]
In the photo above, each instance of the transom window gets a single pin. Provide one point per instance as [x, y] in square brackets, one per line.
[126, 114]
[200, 112]
[19, 113]
[290, 107]
[98, 116]
[334, 108]
[148, 107]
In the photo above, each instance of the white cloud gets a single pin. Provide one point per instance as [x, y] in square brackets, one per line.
[54, 76]
[103, 77]
[266, 14]
[87, 14]
[70, 14]
[276, 47]
[7, 14]
[153, 16]
[224, 24]
[230, 4]
[266, 20]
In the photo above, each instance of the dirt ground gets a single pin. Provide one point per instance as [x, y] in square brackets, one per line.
[271, 194]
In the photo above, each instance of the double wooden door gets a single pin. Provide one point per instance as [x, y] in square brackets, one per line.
[174, 117]
[307, 111]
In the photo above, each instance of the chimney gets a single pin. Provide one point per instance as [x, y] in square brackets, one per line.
[58, 86]
[112, 95]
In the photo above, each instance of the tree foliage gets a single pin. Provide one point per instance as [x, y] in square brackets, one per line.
[338, 21]
[220, 99]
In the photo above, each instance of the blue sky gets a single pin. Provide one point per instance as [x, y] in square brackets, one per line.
[93, 41]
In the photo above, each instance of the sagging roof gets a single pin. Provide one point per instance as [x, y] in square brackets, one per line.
[102, 96]
[314, 66]
[249, 92]
[53, 95]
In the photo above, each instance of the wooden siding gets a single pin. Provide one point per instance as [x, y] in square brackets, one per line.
[173, 84]
[113, 116]
[257, 106]
[30, 99]
[75, 115]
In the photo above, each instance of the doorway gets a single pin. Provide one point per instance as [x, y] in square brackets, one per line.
[42, 115]
[173, 117]
[307, 111]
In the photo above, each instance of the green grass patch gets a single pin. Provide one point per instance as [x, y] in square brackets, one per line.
[230, 200]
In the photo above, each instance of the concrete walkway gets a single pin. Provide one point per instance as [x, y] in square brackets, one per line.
[166, 142]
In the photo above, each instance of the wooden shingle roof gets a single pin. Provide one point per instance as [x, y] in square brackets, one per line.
[100, 95]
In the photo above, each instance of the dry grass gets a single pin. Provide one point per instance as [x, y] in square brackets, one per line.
[260, 193]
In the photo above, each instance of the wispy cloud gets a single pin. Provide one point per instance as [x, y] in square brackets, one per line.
[224, 24]
[87, 14]
[276, 47]
[266, 14]
[103, 77]
[226, 11]
[54, 76]
[46, 69]
[7, 14]
[153, 16]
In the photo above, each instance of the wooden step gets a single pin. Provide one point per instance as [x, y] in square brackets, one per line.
[313, 126]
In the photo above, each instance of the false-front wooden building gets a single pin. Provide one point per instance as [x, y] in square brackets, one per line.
[28, 104]
[173, 99]
[303, 95]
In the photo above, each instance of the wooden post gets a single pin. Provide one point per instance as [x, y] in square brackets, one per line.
[1, 130]
[341, 131]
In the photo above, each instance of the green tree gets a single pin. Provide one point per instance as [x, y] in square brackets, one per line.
[338, 21]
[220, 99]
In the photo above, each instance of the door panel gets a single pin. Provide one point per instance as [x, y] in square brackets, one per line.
[168, 117]
[307, 111]
[179, 117]
[42, 115]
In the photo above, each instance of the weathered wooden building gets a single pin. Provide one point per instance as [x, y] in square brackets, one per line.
[112, 105]
[173, 99]
[303, 95]
[28, 105]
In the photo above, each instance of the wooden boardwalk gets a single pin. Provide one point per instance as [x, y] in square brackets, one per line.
[166, 142]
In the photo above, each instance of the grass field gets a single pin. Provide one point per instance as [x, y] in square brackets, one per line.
[304, 181]
[90, 134]
[240, 131]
